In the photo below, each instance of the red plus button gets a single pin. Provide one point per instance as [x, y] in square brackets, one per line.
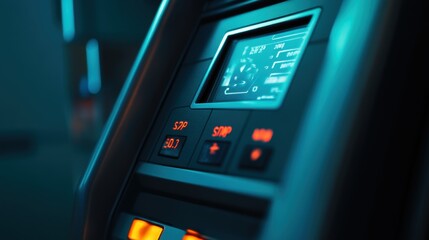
[213, 152]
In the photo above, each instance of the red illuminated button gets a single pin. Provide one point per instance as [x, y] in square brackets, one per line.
[172, 146]
[255, 157]
[213, 152]
[256, 154]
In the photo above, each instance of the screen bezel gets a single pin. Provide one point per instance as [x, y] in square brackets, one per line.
[202, 97]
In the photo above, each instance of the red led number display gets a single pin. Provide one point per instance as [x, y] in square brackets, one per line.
[171, 143]
[172, 146]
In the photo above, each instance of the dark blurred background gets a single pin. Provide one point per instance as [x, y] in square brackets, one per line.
[62, 64]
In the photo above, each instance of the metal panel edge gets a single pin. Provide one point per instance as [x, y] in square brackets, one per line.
[115, 153]
[299, 212]
[250, 187]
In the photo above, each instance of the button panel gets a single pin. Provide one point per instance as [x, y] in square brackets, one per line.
[224, 128]
[179, 137]
[256, 155]
[223, 141]
[266, 139]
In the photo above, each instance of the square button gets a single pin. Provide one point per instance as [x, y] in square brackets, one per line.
[172, 146]
[255, 157]
[213, 152]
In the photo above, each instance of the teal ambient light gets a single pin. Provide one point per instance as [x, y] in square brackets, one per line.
[67, 13]
[93, 66]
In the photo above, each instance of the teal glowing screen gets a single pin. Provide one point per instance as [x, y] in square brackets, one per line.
[259, 68]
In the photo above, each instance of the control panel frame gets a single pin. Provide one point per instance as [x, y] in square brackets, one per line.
[223, 49]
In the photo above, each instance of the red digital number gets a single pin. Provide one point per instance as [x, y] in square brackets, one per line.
[171, 143]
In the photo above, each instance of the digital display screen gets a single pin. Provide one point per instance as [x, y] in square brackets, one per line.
[259, 68]
[254, 66]
[172, 146]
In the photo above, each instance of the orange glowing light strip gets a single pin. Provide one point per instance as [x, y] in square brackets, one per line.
[142, 230]
[192, 235]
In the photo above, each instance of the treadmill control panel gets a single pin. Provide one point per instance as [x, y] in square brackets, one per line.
[211, 163]
[248, 78]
